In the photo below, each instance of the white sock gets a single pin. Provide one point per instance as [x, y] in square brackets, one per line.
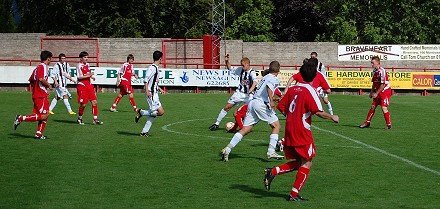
[272, 143]
[220, 117]
[53, 104]
[148, 124]
[235, 140]
[329, 107]
[149, 113]
[66, 102]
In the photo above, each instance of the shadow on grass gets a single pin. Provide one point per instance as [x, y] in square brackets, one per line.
[259, 193]
[234, 156]
[20, 136]
[127, 133]
[66, 121]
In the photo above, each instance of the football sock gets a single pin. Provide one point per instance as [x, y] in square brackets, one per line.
[300, 180]
[148, 125]
[329, 107]
[387, 118]
[370, 115]
[53, 104]
[285, 168]
[30, 118]
[133, 103]
[235, 140]
[220, 117]
[239, 121]
[273, 139]
[41, 127]
[116, 102]
[95, 112]
[81, 111]
[66, 102]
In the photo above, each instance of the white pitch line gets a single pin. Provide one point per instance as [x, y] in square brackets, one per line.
[166, 128]
[380, 150]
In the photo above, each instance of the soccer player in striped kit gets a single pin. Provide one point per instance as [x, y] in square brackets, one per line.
[40, 92]
[380, 92]
[245, 90]
[261, 107]
[60, 73]
[152, 90]
[124, 82]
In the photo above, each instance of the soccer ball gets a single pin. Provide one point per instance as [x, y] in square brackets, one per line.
[229, 126]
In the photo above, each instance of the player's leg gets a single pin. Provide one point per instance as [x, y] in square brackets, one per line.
[384, 104]
[95, 112]
[370, 114]
[221, 115]
[115, 103]
[65, 96]
[82, 101]
[55, 100]
[273, 138]
[300, 180]
[327, 102]
[131, 97]
[292, 165]
[238, 122]
[156, 109]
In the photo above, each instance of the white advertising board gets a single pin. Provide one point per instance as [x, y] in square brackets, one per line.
[388, 52]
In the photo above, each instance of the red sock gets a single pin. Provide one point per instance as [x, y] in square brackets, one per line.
[95, 112]
[133, 103]
[239, 121]
[81, 110]
[370, 115]
[387, 118]
[41, 127]
[300, 180]
[30, 118]
[285, 168]
[116, 102]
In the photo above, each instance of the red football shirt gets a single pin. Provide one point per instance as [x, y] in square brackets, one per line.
[83, 69]
[318, 82]
[242, 110]
[380, 77]
[300, 103]
[39, 90]
[126, 72]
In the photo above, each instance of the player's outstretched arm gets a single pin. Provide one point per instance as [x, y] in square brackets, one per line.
[324, 115]
[45, 83]
[228, 64]
[289, 82]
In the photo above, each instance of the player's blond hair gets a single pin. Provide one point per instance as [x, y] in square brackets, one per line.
[245, 60]
[377, 58]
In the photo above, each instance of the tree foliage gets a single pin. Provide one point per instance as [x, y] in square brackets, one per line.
[346, 22]
[381, 21]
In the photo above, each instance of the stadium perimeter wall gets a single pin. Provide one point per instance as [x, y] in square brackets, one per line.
[27, 46]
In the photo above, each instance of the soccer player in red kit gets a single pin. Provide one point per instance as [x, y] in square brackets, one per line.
[40, 87]
[380, 92]
[124, 83]
[299, 104]
[85, 89]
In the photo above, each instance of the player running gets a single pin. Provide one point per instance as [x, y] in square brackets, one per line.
[40, 93]
[245, 90]
[323, 94]
[152, 89]
[60, 73]
[85, 89]
[261, 107]
[380, 92]
[320, 83]
[299, 104]
[124, 82]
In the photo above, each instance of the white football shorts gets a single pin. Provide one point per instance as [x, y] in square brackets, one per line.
[257, 111]
[61, 92]
[238, 97]
[154, 102]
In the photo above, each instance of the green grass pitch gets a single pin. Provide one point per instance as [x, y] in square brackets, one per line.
[111, 166]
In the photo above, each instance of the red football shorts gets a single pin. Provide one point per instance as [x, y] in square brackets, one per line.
[41, 105]
[85, 95]
[125, 89]
[383, 99]
[305, 151]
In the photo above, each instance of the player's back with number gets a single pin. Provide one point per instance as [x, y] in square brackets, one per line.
[299, 104]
